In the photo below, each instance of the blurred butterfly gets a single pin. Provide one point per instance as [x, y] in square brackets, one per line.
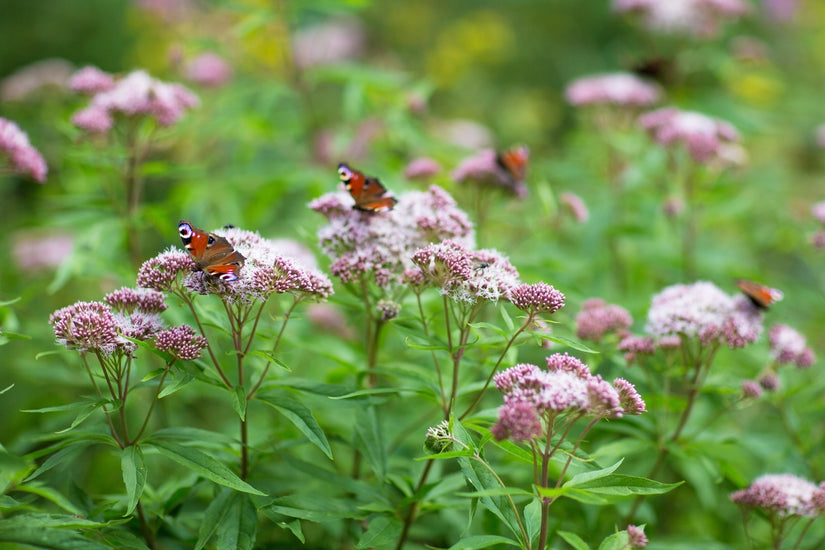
[369, 194]
[212, 253]
[513, 163]
[762, 296]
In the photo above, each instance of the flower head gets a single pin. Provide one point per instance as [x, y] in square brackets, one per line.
[91, 80]
[532, 394]
[438, 438]
[789, 346]
[15, 146]
[422, 168]
[131, 299]
[136, 94]
[86, 326]
[536, 298]
[576, 206]
[636, 537]
[36, 251]
[379, 246]
[702, 311]
[633, 346]
[782, 494]
[161, 272]
[705, 138]
[330, 42]
[181, 342]
[751, 389]
[30, 79]
[624, 89]
[818, 209]
[597, 318]
[695, 17]
[208, 69]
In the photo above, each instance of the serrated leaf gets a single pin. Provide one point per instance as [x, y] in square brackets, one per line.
[370, 440]
[482, 541]
[203, 464]
[301, 417]
[134, 475]
[239, 401]
[573, 540]
[382, 530]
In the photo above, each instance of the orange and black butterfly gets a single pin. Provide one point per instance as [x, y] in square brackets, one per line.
[212, 253]
[762, 296]
[513, 163]
[369, 194]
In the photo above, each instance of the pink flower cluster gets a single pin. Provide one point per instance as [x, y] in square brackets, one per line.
[379, 245]
[136, 94]
[533, 395]
[267, 270]
[181, 342]
[818, 212]
[597, 318]
[788, 346]
[15, 146]
[161, 272]
[576, 206]
[707, 139]
[695, 17]
[636, 537]
[703, 312]
[422, 168]
[536, 298]
[106, 326]
[783, 495]
[471, 276]
[484, 168]
[208, 69]
[624, 89]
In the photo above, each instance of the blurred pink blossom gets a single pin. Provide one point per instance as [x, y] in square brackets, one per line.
[209, 69]
[40, 251]
[704, 137]
[422, 168]
[91, 80]
[27, 80]
[819, 136]
[15, 146]
[330, 42]
[695, 17]
[136, 94]
[576, 205]
[169, 11]
[780, 10]
[783, 495]
[818, 211]
[463, 133]
[614, 88]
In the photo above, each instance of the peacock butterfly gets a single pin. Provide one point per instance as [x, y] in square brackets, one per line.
[762, 296]
[369, 194]
[513, 162]
[212, 253]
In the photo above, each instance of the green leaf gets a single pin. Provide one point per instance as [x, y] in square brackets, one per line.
[569, 342]
[213, 515]
[180, 381]
[382, 530]
[5, 303]
[271, 356]
[134, 475]
[369, 439]
[13, 470]
[7, 388]
[84, 414]
[573, 540]
[50, 494]
[239, 401]
[508, 321]
[203, 464]
[369, 391]
[585, 477]
[495, 328]
[49, 531]
[482, 541]
[623, 485]
[532, 518]
[237, 527]
[425, 346]
[318, 508]
[497, 492]
[65, 454]
[297, 413]
[616, 541]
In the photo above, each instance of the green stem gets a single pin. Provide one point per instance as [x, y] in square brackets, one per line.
[152, 405]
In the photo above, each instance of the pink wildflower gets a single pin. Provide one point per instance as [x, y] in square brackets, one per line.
[537, 298]
[769, 381]
[161, 272]
[27, 81]
[15, 146]
[91, 80]
[695, 17]
[209, 69]
[181, 342]
[615, 88]
[597, 318]
[783, 495]
[704, 137]
[818, 209]
[789, 346]
[576, 205]
[703, 312]
[330, 42]
[751, 389]
[86, 326]
[636, 537]
[38, 251]
[422, 168]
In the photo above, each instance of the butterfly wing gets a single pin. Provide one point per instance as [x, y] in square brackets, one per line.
[369, 193]
[762, 296]
[212, 253]
[514, 162]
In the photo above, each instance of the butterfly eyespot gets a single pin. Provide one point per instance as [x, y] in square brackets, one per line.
[185, 230]
[211, 240]
[228, 277]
